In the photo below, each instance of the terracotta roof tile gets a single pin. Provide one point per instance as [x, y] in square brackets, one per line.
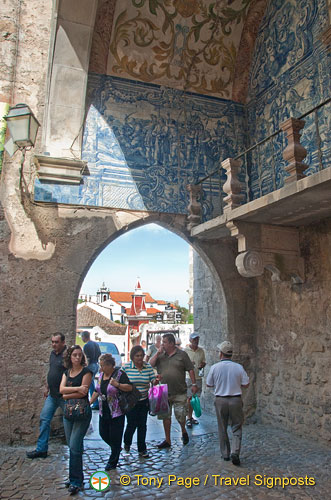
[87, 317]
[127, 297]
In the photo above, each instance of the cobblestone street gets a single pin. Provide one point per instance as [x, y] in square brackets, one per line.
[267, 453]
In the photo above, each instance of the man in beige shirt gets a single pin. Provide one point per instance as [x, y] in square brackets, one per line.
[197, 356]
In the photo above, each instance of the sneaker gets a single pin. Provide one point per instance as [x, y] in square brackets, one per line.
[67, 483]
[185, 438]
[189, 423]
[195, 422]
[226, 459]
[127, 448]
[144, 454]
[235, 459]
[36, 454]
[73, 490]
[163, 445]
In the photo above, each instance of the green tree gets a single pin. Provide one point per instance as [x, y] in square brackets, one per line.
[184, 312]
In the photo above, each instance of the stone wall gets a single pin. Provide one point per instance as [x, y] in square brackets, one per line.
[293, 342]
[288, 349]
[208, 303]
[224, 310]
[39, 297]
[280, 331]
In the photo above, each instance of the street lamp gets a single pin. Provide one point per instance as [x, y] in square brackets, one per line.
[23, 126]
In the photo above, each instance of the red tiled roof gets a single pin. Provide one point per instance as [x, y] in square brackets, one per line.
[152, 310]
[127, 297]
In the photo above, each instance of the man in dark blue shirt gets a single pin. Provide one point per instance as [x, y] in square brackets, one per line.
[92, 352]
[52, 395]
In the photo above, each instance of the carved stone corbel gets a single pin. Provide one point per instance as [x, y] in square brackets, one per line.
[194, 207]
[250, 264]
[264, 246]
[232, 186]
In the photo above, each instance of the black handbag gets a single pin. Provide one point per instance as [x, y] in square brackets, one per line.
[76, 409]
[127, 400]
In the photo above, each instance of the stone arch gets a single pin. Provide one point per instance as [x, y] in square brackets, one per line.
[73, 237]
[227, 300]
[173, 223]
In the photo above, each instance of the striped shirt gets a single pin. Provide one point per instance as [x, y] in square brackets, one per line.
[141, 378]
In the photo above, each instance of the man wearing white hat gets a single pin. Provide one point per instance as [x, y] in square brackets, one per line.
[228, 378]
[197, 356]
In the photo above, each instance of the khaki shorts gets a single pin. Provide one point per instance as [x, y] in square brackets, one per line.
[179, 402]
[189, 387]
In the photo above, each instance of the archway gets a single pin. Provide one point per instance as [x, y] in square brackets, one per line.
[75, 236]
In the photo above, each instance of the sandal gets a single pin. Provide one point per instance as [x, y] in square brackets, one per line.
[189, 423]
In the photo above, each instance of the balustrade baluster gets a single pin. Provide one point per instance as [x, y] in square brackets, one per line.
[319, 141]
[273, 165]
[293, 154]
[259, 170]
[247, 178]
[221, 189]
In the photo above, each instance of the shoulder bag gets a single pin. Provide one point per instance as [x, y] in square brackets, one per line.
[127, 400]
[76, 409]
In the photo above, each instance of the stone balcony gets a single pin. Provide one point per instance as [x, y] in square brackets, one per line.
[302, 202]
[267, 227]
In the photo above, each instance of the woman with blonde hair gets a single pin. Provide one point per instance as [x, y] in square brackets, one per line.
[74, 385]
[111, 381]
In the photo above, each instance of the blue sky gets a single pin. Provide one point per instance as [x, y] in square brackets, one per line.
[159, 257]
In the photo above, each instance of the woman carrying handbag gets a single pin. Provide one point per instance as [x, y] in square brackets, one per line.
[77, 412]
[111, 422]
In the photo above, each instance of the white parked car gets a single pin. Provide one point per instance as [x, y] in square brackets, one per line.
[110, 348]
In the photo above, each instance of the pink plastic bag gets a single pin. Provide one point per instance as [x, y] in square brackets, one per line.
[158, 399]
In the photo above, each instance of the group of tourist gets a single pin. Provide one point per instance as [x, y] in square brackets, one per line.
[71, 372]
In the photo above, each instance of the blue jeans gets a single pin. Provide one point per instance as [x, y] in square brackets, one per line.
[47, 413]
[75, 433]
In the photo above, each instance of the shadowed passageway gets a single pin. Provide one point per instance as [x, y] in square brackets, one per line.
[267, 454]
